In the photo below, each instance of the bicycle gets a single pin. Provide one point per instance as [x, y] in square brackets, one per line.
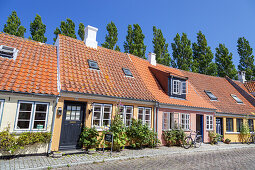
[189, 141]
[251, 139]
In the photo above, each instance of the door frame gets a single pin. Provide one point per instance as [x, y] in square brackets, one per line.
[221, 124]
[83, 117]
[201, 125]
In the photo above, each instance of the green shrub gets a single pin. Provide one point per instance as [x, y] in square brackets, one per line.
[174, 137]
[10, 143]
[140, 135]
[214, 137]
[88, 138]
[118, 130]
[245, 131]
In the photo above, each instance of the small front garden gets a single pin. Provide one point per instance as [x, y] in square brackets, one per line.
[11, 142]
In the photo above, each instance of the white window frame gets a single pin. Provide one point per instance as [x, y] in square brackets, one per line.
[15, 51]
[32, 116]
[144, 115]
[124, 114]
[169, 121]
[1, 109]
[186, 121]
[101, 120]
[209, 122]
[177, 87]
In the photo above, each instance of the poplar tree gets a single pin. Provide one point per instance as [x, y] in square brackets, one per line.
[246, 62]
[134, 43]
[38, 29]
[223, 60]
[66, 28]
[182, 53]
[203, 56]
[13, 26]
[81, 31]
[112, 37]
[160, 47]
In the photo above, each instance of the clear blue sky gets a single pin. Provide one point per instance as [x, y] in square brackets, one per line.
[222, 21]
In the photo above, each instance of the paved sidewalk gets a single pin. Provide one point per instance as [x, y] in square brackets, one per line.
[43, 162]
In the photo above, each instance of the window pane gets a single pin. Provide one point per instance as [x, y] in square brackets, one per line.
[24, 115]
[147, 117]
[25, 107]
[107, 109]
[96, 122]
[40, 116]
[41, 107]
[39, 124]
[68, 113]
[96, 115]
[129, 110]
[106, 122]
[97, 108]
[23, 125]
[106, 115]
[128, 117]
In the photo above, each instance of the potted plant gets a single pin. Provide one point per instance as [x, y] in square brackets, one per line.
[227, 141]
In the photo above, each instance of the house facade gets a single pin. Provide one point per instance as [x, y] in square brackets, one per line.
[179, 105]
[28, 87]
[234, 103]
[92, 82]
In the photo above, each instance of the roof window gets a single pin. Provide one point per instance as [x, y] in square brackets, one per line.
[93, 64]
[237, 99]
[127, 72]
[8, 52]
[210, 95]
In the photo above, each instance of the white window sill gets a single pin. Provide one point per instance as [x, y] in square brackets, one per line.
[232, 132]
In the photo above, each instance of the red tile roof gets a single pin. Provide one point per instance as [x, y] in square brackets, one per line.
[76, 76]
[192, 99]
[250, 85]
[222, 89]
[33, 71]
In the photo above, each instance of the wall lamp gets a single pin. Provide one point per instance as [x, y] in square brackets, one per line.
[91, 107]
[59, 111]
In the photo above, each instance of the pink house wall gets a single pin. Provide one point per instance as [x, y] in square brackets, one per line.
[192, 122]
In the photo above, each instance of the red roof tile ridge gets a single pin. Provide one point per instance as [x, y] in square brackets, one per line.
[26, 39]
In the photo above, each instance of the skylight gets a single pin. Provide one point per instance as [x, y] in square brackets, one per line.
[210, 95]
[8, 52]
[127, 72]
[93, 64]
[237, 99]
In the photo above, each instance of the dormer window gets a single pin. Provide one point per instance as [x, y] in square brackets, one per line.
[239, 101]
[127, 72]
[93, 64]
[179, 87]
[210, 95]
[8, 52]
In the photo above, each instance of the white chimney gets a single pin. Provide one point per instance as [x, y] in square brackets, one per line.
[241, 76]
[90, 37]
[152, 58]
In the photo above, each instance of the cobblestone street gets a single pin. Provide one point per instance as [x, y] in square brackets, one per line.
[223, 156]
[227, 159]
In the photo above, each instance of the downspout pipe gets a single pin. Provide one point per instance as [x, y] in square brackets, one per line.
[156, 117]
[52, 126]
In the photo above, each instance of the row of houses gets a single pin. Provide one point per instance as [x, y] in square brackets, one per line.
[63, 87]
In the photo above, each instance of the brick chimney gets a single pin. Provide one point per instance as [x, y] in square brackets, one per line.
[152, 58]
[90, 36]
[241, 76]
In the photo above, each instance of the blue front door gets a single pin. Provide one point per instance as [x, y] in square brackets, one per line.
[219, 126]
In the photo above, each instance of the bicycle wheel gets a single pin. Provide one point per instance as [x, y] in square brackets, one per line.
[198, 141]
[187, 142]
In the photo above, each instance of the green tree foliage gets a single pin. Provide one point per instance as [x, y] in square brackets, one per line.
[203, 56]
[13, 26]
[246, 62]
[66, 28]
[112, 37]
[81, 31]
[134, 43]
[182, 53]
[117, 48]
[160, 47]
[223, 60]
[38, 29]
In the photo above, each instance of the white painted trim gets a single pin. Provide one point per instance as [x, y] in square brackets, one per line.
[233, 115]
[101, 115]
[210, 116]
[1, 109]
[58, 64]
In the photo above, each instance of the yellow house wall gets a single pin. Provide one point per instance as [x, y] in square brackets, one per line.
[88, 118]
[233, 136]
